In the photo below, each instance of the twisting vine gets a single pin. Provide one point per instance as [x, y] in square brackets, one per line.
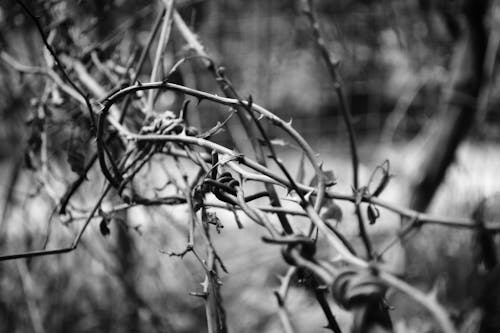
[357, 283]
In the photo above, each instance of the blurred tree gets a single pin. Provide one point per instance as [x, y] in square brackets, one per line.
[456, 113]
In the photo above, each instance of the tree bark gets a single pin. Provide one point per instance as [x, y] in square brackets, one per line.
[458, 104]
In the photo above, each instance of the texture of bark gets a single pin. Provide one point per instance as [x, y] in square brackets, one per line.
[459, 104]
[455, 118]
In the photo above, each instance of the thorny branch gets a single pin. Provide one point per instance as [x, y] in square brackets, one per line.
[230, 92]
[281, 295]
[57, 61]
[332, 66]
[225, 173]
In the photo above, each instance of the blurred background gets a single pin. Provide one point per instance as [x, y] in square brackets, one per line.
[421, 81]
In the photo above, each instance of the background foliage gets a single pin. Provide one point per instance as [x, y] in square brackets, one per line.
[396, 58]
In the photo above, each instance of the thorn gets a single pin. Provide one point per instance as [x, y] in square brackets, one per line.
[260, 116]
[433, 293]
[197, 294]
[337, 258]
[249, 101]
[279, 298]
[221, 70]
[184, 110]
[289, 123]
[335, 62]
[308, 195]
[322, 288]
[205, 284]
[387, 305]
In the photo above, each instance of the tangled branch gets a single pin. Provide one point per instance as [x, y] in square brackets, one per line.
[222, 179]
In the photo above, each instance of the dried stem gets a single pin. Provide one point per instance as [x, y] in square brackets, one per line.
[281, 295]
[225, 173]
[162, 43]
[230, 92]
[332, 66]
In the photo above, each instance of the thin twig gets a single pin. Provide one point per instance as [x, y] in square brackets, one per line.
[162, 43]
[425, 218]
[57, 61]
[286, 126]
[142, 59]
[77, 183]
[28, 287]
[320, 294]
[332, 66]
[281, 295]
[214, 301]
[230, 92]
